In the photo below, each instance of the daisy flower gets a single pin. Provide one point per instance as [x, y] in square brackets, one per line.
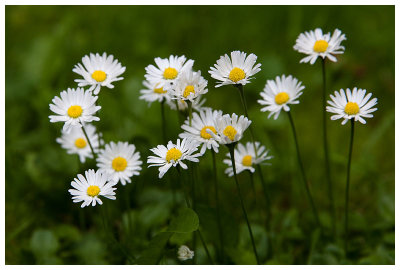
[201, 122]
[98, 71]
[278, 94]
[75, 141]
[189, 86]
[351, 105]
[229, 129]
[89, 188]
[184, 253]
[120, 161]
[315, 44]
[246, 158]
[173, 154]
[197, 104]
[167, 71]
[153, 92]
[236, 71]
[75, 107]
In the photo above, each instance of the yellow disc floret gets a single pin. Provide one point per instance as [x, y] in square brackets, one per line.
[204, 134]
[173, 154]
[351, 108]
[281, 98]
[246, 161]
[80, 143]
[159, 90]
[99, 75]
[74, 111]
[189, 89]
[119, 164]
[236, 74]
[170, 73]
[320, 46]
[230, 132]
[93, 191]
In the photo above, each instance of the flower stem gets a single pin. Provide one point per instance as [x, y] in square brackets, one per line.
[221, 238]
[190, 112]
[326, 151]
[303, 172]
[87, 138]
[346, 217]
[231, 152]
[163, 123]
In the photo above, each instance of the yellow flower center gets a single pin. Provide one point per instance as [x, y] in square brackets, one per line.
[204, 134]
[74, 111]
[93, 191]
[230, 132]
[281, 98]
[320, 46]
[170, 73]
[99, 75]
[189, 89]
[173, 154]
[80, 143]
[159, 90]
[246, 161]
[351, 108]
[119, 164]
[236, 74]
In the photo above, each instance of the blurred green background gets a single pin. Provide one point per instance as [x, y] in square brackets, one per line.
[43, 43]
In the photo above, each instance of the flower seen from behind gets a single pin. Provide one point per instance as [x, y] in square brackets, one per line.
[184, 253]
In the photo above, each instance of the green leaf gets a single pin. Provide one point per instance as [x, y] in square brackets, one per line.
[43, 243]
[186, 221]
[154, 252]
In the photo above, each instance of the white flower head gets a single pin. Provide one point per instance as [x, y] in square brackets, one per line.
[75, 107]
[89, 188]
[278, 94]
[98, 70]
[75, 141]
[173, 154]
[153, 92]
[202, 121]
[167, 71]
[184, 253]
[316, 44]
[246, 158]
[229, 129]
[189, 86]
[236, 71]
[120, 161]
[351, 105]
[197, 104]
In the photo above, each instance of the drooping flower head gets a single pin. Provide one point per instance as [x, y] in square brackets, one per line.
[235, 70]
[98, 70]
[189, 86]
[173, 155]
[75, 141]
[184, 253]
[229, 129]
[202, 121]
[153, 92]
[316, 44]
[348, 105]
[120, 161]
[75, 107]
[88, 188]
[246, 158]
[278, 94]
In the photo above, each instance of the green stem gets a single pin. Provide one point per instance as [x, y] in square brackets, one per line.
[346, 217]
[190, 112]
[163, 122]
[326, 151]
[87, 138]
[221, 238]
[231, 148]
[303, 174]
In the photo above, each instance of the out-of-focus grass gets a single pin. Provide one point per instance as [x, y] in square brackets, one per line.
[43, 43]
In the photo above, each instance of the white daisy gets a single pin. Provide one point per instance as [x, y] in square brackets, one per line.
[202, 121]
[197, 104]
[189, 86]
[351, 105]
[246, 158]
[237, 71]
[184, 253]
[120, 161]
[75, 107]
[278, 94]
[229, 129]
[98, 70]
[153, 92]
[75, 141]
[173, 154]
[167, 71]
[315, 44]
[89, 188]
